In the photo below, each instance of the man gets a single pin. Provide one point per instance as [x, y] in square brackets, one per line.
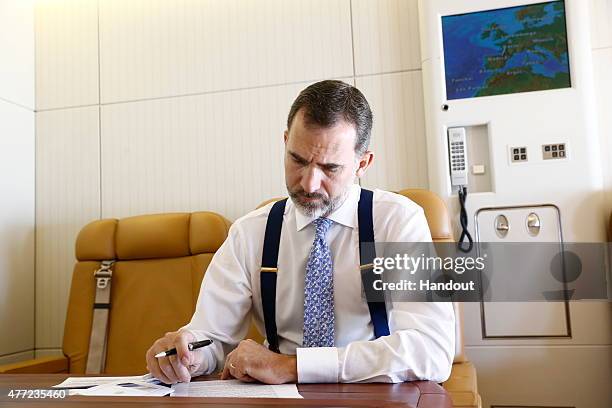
[314, 312]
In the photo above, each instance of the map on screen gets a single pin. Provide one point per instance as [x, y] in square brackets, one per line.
[504, 51]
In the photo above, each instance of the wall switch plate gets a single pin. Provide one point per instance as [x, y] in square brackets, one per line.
[518, 154]
[554, 151]
[478, 169]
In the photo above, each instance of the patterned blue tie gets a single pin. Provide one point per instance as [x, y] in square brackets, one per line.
[319, 291]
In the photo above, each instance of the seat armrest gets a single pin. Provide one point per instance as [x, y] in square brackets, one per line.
[42, 365]
[462, 385]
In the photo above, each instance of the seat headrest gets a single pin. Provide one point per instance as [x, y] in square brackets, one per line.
[207, 232]
[271, 200]
[152, 236]
[96, 241]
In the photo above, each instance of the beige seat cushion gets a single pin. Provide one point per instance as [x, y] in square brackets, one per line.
[462, 385]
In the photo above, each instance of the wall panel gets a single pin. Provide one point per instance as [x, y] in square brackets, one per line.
[545, 376]
[66, 53]
[602, 61]
[398, 135]
[157, 48]
[67, 191]
[589, 324]
[386, 36]
[16, 229]
[601, 19]
[17, 52]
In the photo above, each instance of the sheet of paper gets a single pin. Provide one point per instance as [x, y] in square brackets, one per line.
[126, 389]
[234, 388]
[87, 382]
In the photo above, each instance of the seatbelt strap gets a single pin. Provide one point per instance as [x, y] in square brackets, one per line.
[367, 253]
[96, 356]
[269, 266]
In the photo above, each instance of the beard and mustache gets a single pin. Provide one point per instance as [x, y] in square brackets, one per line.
[316, 205]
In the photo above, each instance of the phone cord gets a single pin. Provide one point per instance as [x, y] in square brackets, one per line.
[463, 219]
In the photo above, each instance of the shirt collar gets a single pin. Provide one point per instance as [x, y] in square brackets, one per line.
[346, 214]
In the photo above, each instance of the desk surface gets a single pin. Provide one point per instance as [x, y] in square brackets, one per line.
[421, 394]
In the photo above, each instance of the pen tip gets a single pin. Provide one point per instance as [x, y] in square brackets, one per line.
[162, 354]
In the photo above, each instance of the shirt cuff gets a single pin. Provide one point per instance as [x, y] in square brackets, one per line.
[317, 365]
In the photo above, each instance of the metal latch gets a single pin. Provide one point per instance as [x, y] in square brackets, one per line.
[104, 274]
[501, 226]
[533, 224]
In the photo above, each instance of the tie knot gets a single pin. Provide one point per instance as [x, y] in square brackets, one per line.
[322, 226]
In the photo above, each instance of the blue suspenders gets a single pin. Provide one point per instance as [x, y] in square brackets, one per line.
[367, 253]
[269, 264]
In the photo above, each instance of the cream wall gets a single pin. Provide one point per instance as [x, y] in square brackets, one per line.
[601, 33]
[16, 180]
[145, 107]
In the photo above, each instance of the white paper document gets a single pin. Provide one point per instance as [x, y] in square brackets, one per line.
[125, 389]
[136, 385]
[234, 388]
[86, 382]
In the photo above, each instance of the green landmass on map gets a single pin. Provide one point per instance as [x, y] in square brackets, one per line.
[551, 37]
[494, 30]
[535, 11]
[523, 82]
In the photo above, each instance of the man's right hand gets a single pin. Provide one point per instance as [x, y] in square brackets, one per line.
[176, 368]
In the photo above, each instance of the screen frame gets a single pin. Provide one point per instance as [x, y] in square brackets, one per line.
[569, 46]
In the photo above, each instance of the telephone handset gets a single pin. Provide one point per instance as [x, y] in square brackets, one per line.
[458, 156]
[457, 149]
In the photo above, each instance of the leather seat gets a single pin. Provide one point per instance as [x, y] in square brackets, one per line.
[160, 263]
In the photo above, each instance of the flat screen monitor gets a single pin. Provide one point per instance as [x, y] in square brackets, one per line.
[506, 51]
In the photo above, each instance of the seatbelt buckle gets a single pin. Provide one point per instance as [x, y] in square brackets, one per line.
[102, 281]
[104, 274]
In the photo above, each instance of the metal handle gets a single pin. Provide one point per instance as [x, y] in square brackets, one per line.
[533, 224]
[501, 226]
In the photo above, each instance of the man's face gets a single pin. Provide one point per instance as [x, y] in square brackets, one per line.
[320, 165]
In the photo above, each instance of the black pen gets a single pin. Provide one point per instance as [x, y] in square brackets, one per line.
[192, 346]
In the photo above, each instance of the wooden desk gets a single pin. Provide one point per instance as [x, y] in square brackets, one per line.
[421, 394]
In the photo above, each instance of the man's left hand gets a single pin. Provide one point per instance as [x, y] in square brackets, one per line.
[251, 361]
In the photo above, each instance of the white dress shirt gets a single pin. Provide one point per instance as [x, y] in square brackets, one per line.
[422, 340]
